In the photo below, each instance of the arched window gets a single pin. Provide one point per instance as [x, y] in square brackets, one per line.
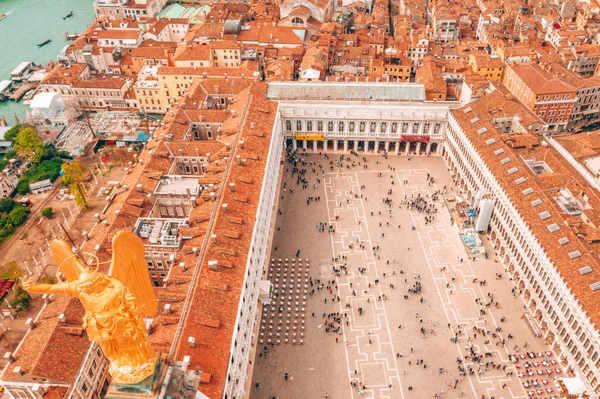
[297, 21]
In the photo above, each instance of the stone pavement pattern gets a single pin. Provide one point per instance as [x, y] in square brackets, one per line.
[372, 348]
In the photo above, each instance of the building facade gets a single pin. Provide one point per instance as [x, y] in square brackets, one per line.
[473, 154]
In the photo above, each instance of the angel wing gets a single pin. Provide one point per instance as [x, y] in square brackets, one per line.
[129, 267]
[68, 263]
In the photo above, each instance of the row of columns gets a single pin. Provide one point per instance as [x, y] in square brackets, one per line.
[387, 145]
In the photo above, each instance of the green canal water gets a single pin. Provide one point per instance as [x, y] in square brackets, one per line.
[29, 22]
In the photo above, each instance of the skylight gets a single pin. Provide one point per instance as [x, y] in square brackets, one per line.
[553, 227]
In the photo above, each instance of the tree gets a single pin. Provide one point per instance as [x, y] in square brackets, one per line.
[18, 215]
[28, 145]
[47, 212]
[12, 133]
[73, 177]
[21, 300]
[7, 205]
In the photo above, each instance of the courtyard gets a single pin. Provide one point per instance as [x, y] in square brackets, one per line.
[421, 317]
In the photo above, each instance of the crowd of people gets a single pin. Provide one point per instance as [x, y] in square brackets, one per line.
[309, 171]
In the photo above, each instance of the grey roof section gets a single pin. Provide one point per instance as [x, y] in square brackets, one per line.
[41, 183]
[357, 91]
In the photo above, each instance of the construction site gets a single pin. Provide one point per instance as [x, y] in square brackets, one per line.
[26, 253]
[115, 127]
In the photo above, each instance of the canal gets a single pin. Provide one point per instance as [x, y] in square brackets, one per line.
[29, 22]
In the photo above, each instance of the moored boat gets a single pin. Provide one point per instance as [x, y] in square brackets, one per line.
[42, 44]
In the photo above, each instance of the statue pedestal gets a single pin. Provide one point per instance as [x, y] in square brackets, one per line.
[148, 388]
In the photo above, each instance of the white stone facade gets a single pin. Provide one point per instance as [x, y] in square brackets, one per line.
[257, 260]
[394, 127]
[555, 310]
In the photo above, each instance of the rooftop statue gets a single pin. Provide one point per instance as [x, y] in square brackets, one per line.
[114, 304]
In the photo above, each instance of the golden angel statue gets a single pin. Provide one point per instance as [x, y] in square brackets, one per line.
[114, 304]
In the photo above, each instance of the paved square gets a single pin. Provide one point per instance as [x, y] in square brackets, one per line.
[387, 307]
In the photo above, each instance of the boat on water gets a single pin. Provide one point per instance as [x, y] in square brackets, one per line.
[2, 16]
[69, 15]
[42, 44]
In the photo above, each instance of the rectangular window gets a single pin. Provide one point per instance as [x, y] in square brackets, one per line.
[320, 126]
[309, 126]
[383, 127]
[341, 126]
[372, 127]
[362, 126]
[298, 125]
[330, 126]
[351, 127]
[394, 127]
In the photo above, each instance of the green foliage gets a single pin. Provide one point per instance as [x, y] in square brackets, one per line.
[49, 169]
[18, 215]
[12, 215]
[21, 300]
[79, 191]
[12, 133]
[29, 145]
[11, 271]
[47, 212]
[72, 173]
[46, 280]
[7, 205]
[65, 154]
[6, 159]
[73, 177]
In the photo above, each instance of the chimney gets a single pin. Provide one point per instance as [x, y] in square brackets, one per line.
[192, 342]
[18, 371]
[182, 266]
[139, 188]
[167, 308]
[224, 208]
[242, 144]
[30, 323]
[232, 187]
[9, 357]
[186, 363]
[213, 237]
[62, 318]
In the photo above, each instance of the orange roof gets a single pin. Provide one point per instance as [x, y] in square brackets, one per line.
[225, 45]
[540, 81]
[213, 312]
[115, 82]
[193, 52]
[121, 34]
[61, 75]
[519, 147]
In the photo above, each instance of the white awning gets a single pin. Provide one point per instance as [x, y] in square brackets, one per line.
[575, 386]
